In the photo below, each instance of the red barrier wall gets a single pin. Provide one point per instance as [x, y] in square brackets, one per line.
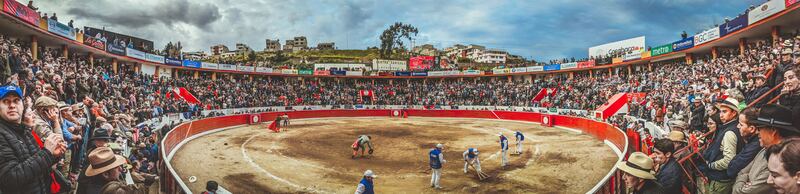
[600, 130]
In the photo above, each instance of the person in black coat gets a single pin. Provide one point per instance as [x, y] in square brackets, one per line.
[24, 166]
[790, 93]
[669, 174]
[758, 89]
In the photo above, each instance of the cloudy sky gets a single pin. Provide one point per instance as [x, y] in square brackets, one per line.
[542, 29]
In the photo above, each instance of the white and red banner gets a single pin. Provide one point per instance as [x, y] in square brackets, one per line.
[184, 94]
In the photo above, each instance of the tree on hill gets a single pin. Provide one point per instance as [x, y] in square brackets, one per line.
[392, 38]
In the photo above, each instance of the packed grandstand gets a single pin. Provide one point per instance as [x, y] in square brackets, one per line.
[91, 85]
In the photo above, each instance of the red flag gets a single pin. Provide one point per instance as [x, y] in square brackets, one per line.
[186, 95]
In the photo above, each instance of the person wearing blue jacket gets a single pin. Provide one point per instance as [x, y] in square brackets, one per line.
[503, 149]
[749, 133]
[366, 185]
[669, 174]
[520, 138]
[436, 163]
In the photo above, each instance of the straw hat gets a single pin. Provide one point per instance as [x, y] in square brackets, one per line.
[638, 165]
[369, 173]
[676, 136]
[103, 159]
[729, 103]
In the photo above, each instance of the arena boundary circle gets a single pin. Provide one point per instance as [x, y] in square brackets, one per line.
[605, 132]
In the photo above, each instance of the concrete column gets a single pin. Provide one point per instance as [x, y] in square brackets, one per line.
[776, 34]
[65, 49]
[591, 74]
[391, 81]
[571, 75]
[609, 71]
[689, 59]
[251, 77]
[510, 79]
[156, 73]
[629, 70]
[714, 52]
[196, 75]
[34, 47]
[742, 45]
[115, 65]
[91, 60]
[649, 66]
[213, 75]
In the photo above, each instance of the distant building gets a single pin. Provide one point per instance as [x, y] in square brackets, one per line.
[491, 56]
[300, 43]
[242, 49]
[273, 45]
[219, 49]
[288, 46]
[198, 55]
[326, 46]
[476, 53]
[426, 50]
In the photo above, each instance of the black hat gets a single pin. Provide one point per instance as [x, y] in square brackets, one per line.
[776, 116]
[100, 133]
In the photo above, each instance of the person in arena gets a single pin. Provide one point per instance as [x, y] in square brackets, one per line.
[503, 149]
[774, 125]
[520, 137]
[436, 162]
[784, 167]
[637, 175]
[471, 159]
[361, 143]
[366, 185]
[285, 119]
[211, 187]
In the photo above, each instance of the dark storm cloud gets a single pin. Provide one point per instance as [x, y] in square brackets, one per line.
[136, 16]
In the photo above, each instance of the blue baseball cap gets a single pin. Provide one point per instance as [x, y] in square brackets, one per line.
[10, 89]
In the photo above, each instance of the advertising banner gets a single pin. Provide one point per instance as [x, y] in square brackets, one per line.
[228, 67]
[133, 53]
[683, 44]
[289, 71]
[338, 72]
[660, 50]
[584, 64]
[115, 49]
[501, 71]
[207, 65]
[60, 29]
[421, 62]
[263, 69]
[389, 65]
[631, 56]
[21, 11]
[765, 10]
[94, 42]
[472, 72]
[165, 72]
[354, 73]
[154, 58]
[119, 39]
[322, 72]
[534, 68]
[436, 73]
[192, 64]
[618, 48]
[247, 68]
[305, 72]
[734, 25]
[790, 2]
[603, 61]
[453, 72]
[706, 36]
[402, 73]
[419, 73]
[172, 61]
[518, 70]
[616, 60]
[572, 65]
[552, 67]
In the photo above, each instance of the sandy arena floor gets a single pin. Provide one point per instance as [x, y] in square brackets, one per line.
[313, 156]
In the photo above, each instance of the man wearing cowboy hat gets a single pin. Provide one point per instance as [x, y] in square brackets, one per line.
[678, 140]
[780, 69]
[637, 175]
[669, 174]
[100, 139]
[365, 186]
[698, 111]
[104, 172]
[759, 88]
[773, 125]
[722, 149]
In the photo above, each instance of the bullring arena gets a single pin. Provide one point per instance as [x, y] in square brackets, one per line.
[312, 155]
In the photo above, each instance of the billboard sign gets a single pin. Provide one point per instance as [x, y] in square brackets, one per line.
[133, 53]
[94, 42]
[207, 65]
[119, 39]
[534, 68]
[172, 61]
[228, 67]
[21, 11]
[584, 64]
[552, 67]
[705, 36]
[619, 48]
[60, 29]
[734, 25]
[421, 62]
[684, 44]
[572, 65]
[246, 68]
[518, 70]
[660, 50]
[193, 64]
[765, 10]
[154, 58]
[263, 69]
